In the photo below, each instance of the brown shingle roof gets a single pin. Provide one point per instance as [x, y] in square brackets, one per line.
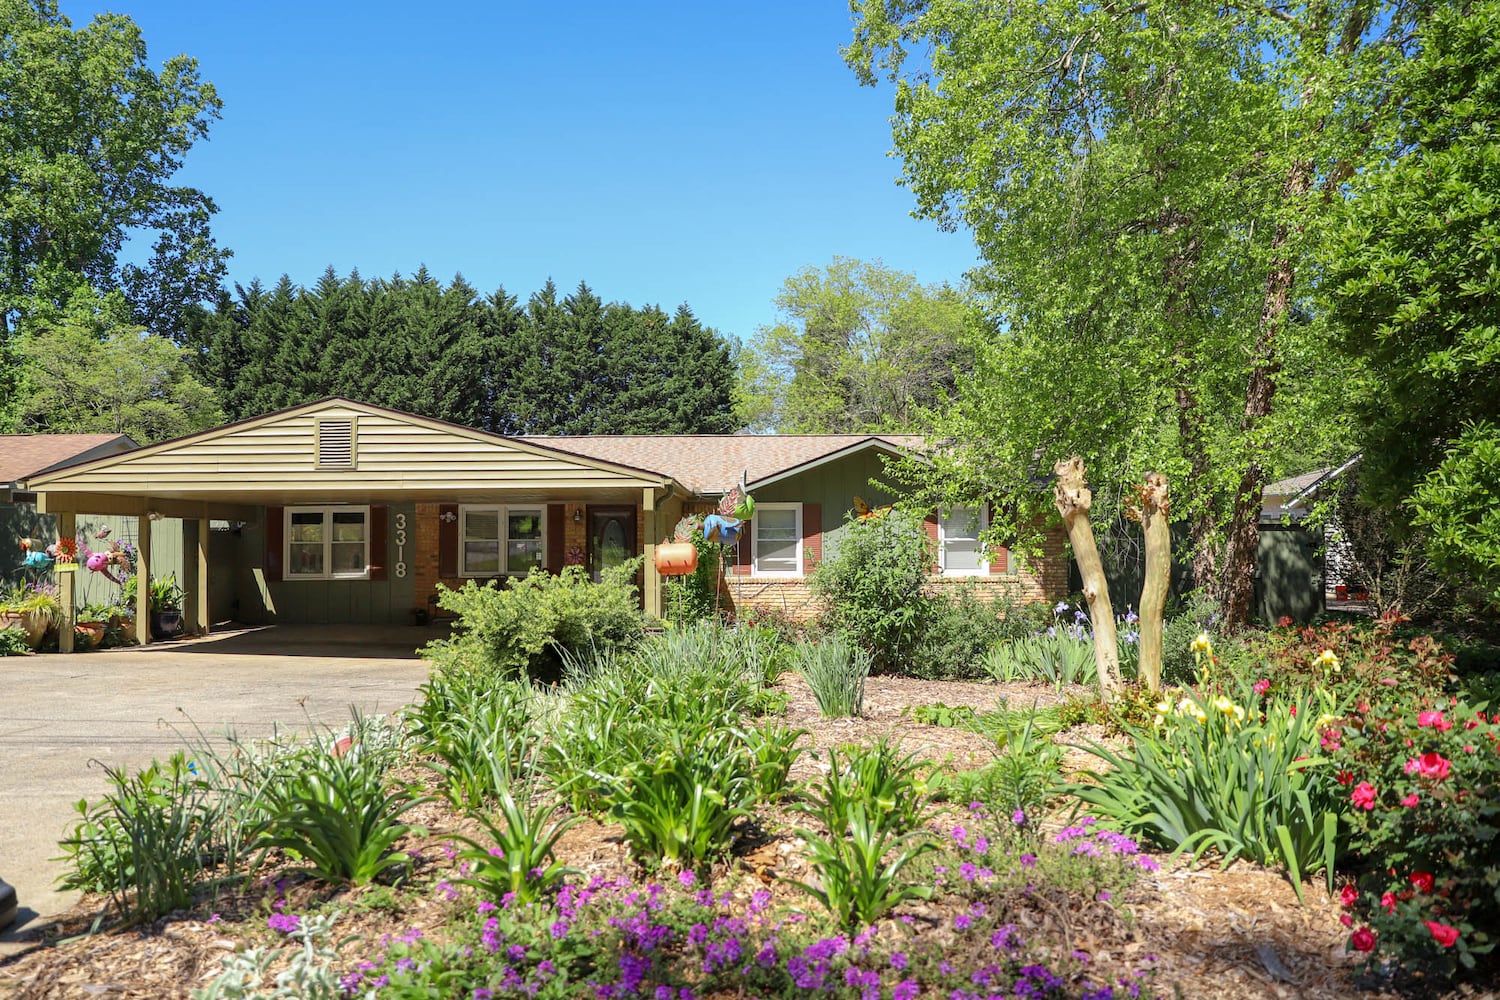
[1293, 485]
[23, 455]
[709, 464]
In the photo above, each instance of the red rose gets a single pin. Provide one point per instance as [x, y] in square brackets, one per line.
[1349, 895]
[1442, 933]
[1411, 801]
[1346, 777]
[1363, 939]
[1388, 903]
[1422, 881]
[1433, 765]
[1346, 920]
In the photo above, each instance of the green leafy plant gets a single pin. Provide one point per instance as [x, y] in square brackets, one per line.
[145, 843]
[520, 858]
[310, 968]
[462, 720]
[1058, 659]
[166, 595]
[332, 809]
[773, 749]
[695, 597]
[13, 642]
[680, 805]
[856, 882]
[944, 716]
[1232, 775]
[835, 669]
[888, 784]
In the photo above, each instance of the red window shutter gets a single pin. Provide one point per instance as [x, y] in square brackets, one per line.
[744, 554]
[556, 518]
[378, 543]
[275, 542]
[930, 525]
[999, 554]
[448, 540]
[812, 536]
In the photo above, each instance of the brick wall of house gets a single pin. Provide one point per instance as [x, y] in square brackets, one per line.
[1045, 580]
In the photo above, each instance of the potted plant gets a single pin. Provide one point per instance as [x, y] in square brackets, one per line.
[88, 632]
[166, 607]
[36, 608]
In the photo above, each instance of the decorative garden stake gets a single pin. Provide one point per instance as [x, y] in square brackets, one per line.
[1074, 498]
[1150, 509]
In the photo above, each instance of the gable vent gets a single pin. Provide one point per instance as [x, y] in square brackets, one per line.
[336, 444]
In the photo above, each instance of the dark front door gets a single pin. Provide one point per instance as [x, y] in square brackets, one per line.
[611, 538]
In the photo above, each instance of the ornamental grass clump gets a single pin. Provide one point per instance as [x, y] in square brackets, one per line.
[836, 670]
[1422, 781]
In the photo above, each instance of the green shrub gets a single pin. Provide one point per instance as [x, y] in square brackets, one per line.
[13, 642]
[525, 627]
[962, 628]
[1232, 775]
[1196, 613]
[836, 671]
[1359, 660]
[1423, 779]
[875, 586]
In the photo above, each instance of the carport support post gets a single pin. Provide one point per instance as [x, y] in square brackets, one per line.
[201, 597]
[653, 578]
[143, 578]
[67, 527]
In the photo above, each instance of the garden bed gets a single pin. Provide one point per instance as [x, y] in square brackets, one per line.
[1235, 933]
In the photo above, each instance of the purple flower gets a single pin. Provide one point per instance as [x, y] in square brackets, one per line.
[1103, 896]
[1018, 817]
[907, 989]
[962, 922]
[687, 879]
[286, 923]
[559, 929]
[898, 960]
[1028, 861]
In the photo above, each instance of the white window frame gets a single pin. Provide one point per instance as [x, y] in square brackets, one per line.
[755, 569]
[502, 512]
[982, 523]
[327, 510]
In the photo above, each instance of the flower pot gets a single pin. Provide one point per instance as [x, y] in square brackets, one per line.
[164, 624]
[125, 625]
[33, 623]
[88, 635]
[676, 559]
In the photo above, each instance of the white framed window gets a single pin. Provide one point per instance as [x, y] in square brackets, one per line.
[776, 539]
[501, 541]
[959, 551]
[327, 543]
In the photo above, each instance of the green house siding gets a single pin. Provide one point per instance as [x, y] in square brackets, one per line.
[834, 486]
[324, 602]
[20, 520]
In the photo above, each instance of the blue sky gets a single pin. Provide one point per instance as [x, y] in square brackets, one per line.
[691, 152]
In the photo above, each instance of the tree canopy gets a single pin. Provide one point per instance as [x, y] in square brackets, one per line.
[1145, 184]
[859, 347]
[559, 365]
[91, 370]
[1414, 285]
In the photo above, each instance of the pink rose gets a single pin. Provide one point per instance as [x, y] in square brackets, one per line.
[1363, 796]
[1388, 902]
[1363, 939]
[1411, 801]
[1442, 933]
[1262, 686]
[1429, 765]
[1348, 895]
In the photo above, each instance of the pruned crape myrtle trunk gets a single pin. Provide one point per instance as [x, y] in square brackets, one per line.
[1074, 498]
[1151, 511]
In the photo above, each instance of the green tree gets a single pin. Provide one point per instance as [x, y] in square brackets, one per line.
[1414, 279]
[90, 137]
[90, 370]
[1145, 183]
[859, 347]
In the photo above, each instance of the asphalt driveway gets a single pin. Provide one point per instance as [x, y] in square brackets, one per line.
[60, 716]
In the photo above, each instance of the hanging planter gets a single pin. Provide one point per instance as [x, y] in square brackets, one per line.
[676, 559]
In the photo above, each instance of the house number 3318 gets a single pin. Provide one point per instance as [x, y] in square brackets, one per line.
[400, 546]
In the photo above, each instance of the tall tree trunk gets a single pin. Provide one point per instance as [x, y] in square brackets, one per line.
[1151, 512]
[1074, 498]
[1243, 537]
